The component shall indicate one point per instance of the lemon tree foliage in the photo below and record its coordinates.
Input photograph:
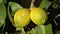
(14, 7)
(2, 14)
(22, 17)
(0, 1)
(45, 4)
(3, 1)
(44, 29)
(40, 29)
(48, 29)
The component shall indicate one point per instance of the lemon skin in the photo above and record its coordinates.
(38, 16)
(22, 18)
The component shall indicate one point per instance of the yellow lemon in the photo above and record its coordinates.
(38, 16)
(22, 18)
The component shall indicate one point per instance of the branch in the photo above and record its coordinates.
(57, 16)
(32, 4)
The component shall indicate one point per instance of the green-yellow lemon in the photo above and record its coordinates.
(38, 16)
(22, 18)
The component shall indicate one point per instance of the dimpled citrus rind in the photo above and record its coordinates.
(38, 16)
(22, 18)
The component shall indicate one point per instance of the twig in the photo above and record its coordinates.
(6, 32)
(55, 22)
(27, 32)
(32, 4)
(57, 16)
(22, 31)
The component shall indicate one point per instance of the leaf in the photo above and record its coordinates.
(42, 29)
(45, 4)
(14, 7)
(0, 1)
(32, 31)
(9, 15)
(48, 29)
(3, 1)
(2, 14)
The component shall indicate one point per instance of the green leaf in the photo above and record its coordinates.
(3, 1)
(45, 4)
(14, 7)
(32, 31)
(0, 1)
(55, 5)
(10, 17)
(2, 14)
(48, 29)
(44, 29)
(40, 29)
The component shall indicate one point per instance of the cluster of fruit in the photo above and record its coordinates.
(22, 17)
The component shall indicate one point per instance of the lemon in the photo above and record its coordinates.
(22, 18)
(38, 16)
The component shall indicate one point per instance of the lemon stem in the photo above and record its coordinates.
(22, 31)
(32, 4)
